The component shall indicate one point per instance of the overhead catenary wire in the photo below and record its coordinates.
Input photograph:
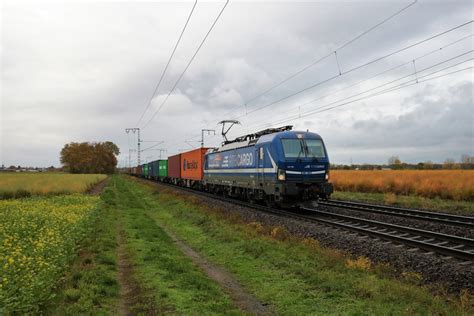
(152, 146)
(167, 64)
(338, 103)
(187, 66)
(386, 71)
(382, 85)
(400, 86)
(388, 90)
(355, 68)
(332, 52)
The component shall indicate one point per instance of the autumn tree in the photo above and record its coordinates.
(449, 163)
(395, 162)
(90, 157)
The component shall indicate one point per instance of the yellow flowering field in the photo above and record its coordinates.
(25, 184)
(38, 237)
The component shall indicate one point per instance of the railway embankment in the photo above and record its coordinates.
(294, 267)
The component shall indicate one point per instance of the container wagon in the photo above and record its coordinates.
(174, 169)
(139, 171)
(163, 169)
(192, 167)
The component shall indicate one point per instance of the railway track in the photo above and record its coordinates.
(430, 242)
(448, 219)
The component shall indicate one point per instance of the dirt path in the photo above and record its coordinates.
(133, 300)
(99, 187)
(242, 299)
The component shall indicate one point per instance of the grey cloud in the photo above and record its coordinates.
(85, 71)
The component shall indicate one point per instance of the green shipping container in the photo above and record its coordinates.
(145, 170)
(163, 168)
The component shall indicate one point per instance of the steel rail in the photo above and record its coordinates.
(436, 242)
(449, 219)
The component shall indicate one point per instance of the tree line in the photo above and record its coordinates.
(90, 157)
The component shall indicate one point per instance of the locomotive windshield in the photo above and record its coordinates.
(303, 148)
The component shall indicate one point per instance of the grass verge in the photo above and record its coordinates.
(292, 276)
(437, 204)
(178, 286)
(90, 286)
(128, 265)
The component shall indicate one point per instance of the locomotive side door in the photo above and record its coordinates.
(260, 167)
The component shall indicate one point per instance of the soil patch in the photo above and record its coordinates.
(98, 188)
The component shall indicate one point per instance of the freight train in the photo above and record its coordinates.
(276, 166)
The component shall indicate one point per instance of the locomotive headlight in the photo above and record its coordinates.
(281, 175)
(327, 175)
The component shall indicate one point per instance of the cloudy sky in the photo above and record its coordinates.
(85, 71)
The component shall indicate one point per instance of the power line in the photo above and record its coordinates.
(168, 63)
(319, 109)
(334, 52)
(398, 87)
(357, 68)
(401, 86)
(152, 146)
(189, 63)
(393, 88)
(387, 71)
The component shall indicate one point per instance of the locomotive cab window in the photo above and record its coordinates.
(260, 153)
(293, 148)
(303, 148)
(315, 148)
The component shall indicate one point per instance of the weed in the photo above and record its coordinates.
(280, 233)
(412, 277)
(258, 227)
(311, 243)
(72, 295)
(361, 263)
(466, 299)
(390, 198)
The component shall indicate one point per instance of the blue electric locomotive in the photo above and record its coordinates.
(278, 166)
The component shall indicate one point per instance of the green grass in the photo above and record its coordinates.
(290, 276)
(17, 185)
(441, 205)
(90, 286)
(178, 285)
(167, 282)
